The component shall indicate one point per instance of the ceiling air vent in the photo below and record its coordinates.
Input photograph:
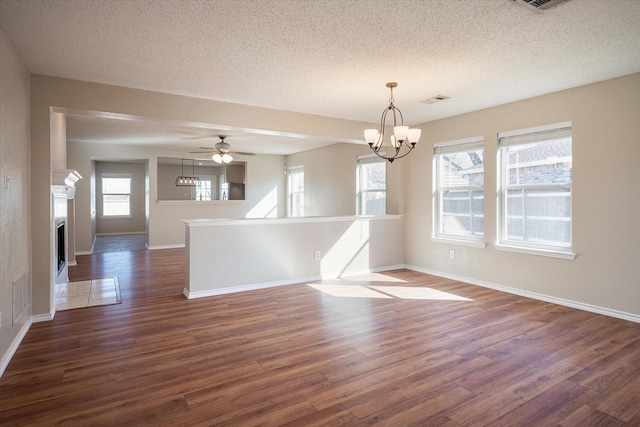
(434, 99)
(540, 5)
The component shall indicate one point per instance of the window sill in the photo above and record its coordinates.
(199, 202)
(460, 242)
(540, 252)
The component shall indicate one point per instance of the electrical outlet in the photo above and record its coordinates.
(452, 254)
(7, 180)
(317, 255)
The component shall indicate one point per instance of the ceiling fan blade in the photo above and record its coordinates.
(240, 153)
(203, 152)
(201, 137)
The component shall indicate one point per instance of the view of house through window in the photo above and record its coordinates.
(459, 190)
(295, 188)
(371, 186)
(535, 170)
(116, 195)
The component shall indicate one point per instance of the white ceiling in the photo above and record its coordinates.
(326, 57)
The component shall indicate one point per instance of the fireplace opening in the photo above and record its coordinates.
(60, 247)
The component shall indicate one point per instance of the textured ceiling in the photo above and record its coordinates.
(330, 57)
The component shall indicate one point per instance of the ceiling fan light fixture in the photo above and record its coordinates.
(222, 158)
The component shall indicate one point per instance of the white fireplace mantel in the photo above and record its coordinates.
(63, 181)
(65, 178)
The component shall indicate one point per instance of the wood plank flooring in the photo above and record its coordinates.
(397, 349)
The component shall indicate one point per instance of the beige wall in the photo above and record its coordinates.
(15, 206)
(136, 223)
(605, 205)
(330, 180)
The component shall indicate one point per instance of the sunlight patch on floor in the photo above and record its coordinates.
(374, 277)
(406, 292)
(349, 291)
(400, 292)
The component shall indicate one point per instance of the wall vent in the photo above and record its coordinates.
(21, 296)
(540, 5)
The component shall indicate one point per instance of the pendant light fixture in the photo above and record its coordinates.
(188, 181)
(402, 135)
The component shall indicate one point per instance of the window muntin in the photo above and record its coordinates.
(295, 185)
(116, 195)
(371, 186)
(459, 190)
(204, 188)
(535, 171)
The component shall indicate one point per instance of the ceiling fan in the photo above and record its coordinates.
(221, 152)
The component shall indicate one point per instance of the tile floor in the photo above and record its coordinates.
(87, 293)
(120, 243)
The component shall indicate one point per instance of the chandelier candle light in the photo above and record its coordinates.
(402, 135)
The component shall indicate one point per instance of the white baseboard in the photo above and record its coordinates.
(71, 263)
(121, 234)
(6, 358)
(157, 247)
(46, 317)
(295, 281)
(250, 287)
(533, 295)
(84, 252)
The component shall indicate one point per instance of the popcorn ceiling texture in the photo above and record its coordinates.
(330, 57)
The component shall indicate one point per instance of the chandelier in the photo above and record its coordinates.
(188, 181)
(402, 135)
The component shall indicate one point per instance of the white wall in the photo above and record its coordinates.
(606, 200)
(232, 255)
(15, 207)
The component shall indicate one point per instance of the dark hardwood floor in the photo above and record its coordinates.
(385, 349)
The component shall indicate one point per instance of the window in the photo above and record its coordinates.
(459, 190)
(371, 186)
(534, 198)
(295, 186)
(116, 195)
(203, 189)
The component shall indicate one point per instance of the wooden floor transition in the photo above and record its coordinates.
(399, 349)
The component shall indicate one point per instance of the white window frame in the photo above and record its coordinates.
(102, 194)
(441, 149)
(291, 195)
(366, 160)
(201, 187)
(519, 137)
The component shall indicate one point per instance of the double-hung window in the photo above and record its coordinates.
(371, 185)
(116, 195)
(295, 186)
(204, 188)
(459, 190)
(534, 194)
